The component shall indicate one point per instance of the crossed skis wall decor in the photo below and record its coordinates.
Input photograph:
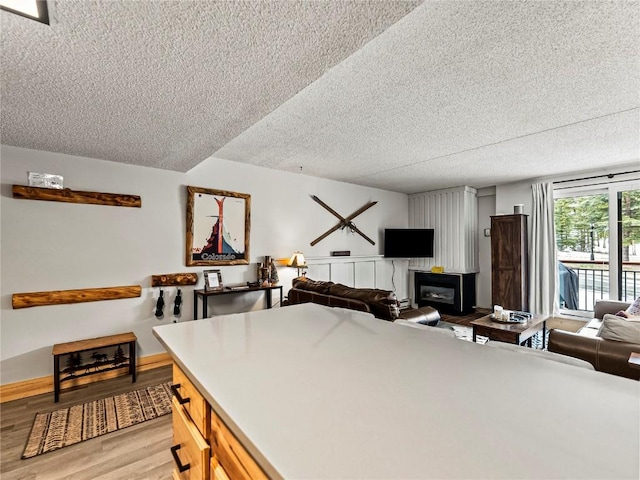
(345, 222)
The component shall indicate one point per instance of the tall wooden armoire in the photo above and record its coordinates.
(510, 262)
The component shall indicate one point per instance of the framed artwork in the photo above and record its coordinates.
(213, 280)
(218, 227)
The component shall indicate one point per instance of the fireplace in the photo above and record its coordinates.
(452, 293)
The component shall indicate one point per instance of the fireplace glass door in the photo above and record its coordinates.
(447, 293)
(430, 293)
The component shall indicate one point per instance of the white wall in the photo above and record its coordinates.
(486, 208)
(509, 195)
(58, 246)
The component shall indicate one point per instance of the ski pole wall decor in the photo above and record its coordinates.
(345, 222)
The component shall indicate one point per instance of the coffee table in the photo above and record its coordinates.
(517, 333)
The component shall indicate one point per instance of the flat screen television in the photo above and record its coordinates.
(408, 242)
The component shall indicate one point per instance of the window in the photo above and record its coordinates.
(598, 244)
(629, 245)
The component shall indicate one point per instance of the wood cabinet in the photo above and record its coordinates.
(194, 404)
(190, 450)
(203, 446)
(228, 453)
(510, 262)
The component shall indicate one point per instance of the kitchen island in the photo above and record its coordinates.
(308, 391)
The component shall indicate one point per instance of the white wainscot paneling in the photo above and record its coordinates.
(343, 273)
(320, 271)
(357, 271)
(364, 272)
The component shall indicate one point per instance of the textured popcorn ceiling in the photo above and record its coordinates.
(389, 94)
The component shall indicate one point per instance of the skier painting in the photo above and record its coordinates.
(220, 227)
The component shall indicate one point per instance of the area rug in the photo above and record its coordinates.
(67, 426)
(463, 333)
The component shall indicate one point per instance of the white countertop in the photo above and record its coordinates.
(319, 393)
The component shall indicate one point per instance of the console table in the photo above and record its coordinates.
(205, 294)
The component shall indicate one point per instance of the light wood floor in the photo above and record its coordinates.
(140, 452)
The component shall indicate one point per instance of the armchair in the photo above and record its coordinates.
(608, 356)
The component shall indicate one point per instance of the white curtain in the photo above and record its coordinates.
(542, 253)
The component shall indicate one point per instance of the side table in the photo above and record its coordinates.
(634, 360)
(517, 333)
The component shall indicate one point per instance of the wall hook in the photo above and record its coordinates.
(177, 304)
(160, 306)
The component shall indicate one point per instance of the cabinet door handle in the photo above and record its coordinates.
(176, 393)
(176, 458)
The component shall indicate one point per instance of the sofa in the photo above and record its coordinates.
(383, 304)
(605, 354)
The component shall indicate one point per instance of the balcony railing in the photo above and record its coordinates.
(593, 283)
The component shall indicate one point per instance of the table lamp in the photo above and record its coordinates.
(297, 261)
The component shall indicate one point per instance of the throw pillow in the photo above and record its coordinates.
(620, 329)
(622, 313)
(633, 310)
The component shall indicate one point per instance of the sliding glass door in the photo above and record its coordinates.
(582, 240)
(628, 222)
(598, 244)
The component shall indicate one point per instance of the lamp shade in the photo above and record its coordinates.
(297, 260)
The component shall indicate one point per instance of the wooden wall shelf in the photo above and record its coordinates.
(76, 196)
(173, 279)
(59, 297)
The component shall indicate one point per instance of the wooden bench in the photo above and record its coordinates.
(101, 362)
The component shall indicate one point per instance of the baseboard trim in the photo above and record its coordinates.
(38, 386)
